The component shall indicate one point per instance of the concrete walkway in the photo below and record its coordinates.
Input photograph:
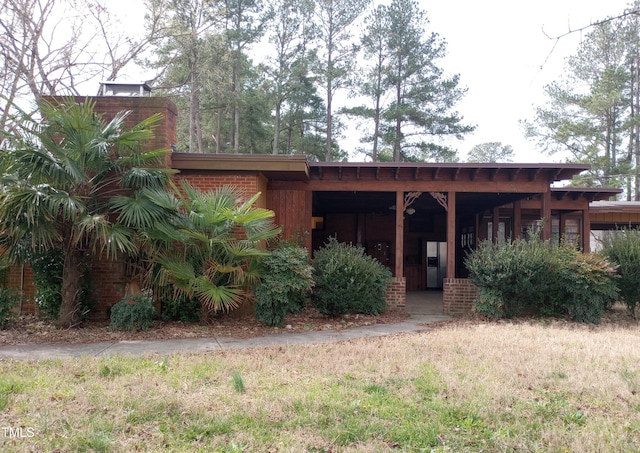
(423, 311)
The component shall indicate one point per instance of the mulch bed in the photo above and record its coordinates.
(34, 330)
(37, 330)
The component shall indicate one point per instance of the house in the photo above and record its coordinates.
(419, 219)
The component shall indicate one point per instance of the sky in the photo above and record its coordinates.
(504, 59)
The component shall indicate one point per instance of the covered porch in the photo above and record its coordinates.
(400, 212)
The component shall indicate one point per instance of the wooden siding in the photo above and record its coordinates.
(292, 210)
(620, 218)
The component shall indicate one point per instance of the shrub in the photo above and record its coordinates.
(285, 281)
(534, 276)
(587, 287)
(181, 308)
(518, 272)
(347, 280)
(489, 303)
(8, 300)
(47, 279)
(133, 312)
(622, 248)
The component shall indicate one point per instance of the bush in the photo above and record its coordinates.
(47, 279)
(285, 281)
(534, 276)
(347, 280)
(181, 308)
(517, 273)
(8, 300)
(489, 302)
(622, 248)
(133, 312)
(587, 287)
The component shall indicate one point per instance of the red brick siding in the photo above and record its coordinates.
(249, 184)
(458, 296)
(108, 277)
(397, 294)
(109, 281)
(20, 279)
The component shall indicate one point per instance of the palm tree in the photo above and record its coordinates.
(72, 181)
(218, 242)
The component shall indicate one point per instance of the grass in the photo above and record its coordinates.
(497, 387)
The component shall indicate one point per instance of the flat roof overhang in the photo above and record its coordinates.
(273, 167)
(298, 168)
(428, 171)
(602, 206)
(590, 193)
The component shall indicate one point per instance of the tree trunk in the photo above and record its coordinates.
(70, 315)
(376, 119)
(218, 130)
(195, 134)
(329, 123)
(329, 99)
(276, 129)
(636, 128)
(398, 132)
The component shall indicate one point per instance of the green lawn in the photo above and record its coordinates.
(527, 387)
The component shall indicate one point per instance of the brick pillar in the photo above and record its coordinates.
(458, 296)
(397, 294)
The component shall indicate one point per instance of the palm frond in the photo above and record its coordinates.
(67, 206)
(218, 298)
(151, 178)
(180, 273)
(137, 211)
(113, 239)
(246, 248)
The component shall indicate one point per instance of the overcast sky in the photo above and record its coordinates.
(504, 59)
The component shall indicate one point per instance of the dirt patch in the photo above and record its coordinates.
(33, 330)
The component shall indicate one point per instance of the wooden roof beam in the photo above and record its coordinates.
(456, 173)
(533, 174)
(474, 173)
(396, 173)
(416, 173)
(377, 173)
(514, 174)
(493, 173)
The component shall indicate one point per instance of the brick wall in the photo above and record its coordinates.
(458, 296)
(20, 278)
(397, 294)
(248, 183)
(108, 277)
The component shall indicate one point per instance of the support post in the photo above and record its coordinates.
(451, 235)
(586, 230)
(545, 214)
(495, 225)
(517, 219)
(399, 261)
